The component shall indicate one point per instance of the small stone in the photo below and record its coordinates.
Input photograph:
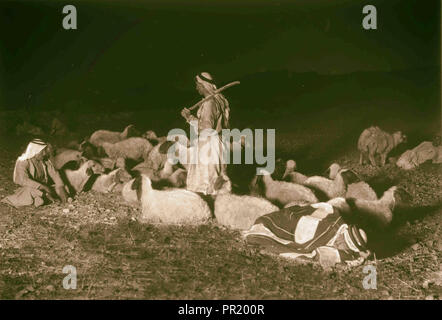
(65, 210)
(21, 293)
(429, 243)
(385, 293)
(50, 288)
(430, 297)
(70, 200)
(415, 246)
(425, 284)
(30, 288)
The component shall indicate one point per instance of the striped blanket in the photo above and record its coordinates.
(315, 232)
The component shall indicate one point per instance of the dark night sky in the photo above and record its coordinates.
(128, 50)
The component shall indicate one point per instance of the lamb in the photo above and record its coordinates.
(101, 136)
(107, 183)
(136, 149)
(177, 206)
(240, 212)
(291, 175)
(77, 179)
(373, 141)
(332, 188)
(282, 192)
(64, 156)
(359, 189)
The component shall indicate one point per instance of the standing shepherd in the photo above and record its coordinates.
(35, 173)
(207, 173)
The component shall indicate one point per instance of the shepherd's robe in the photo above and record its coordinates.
(206, 155)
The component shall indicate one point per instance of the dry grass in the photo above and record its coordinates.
(117, 258)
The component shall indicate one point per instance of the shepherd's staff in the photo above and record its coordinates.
(196, 105)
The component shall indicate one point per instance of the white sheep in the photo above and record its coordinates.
(241, 212)
(101, 136)
(151, 135)
(135, 148)
(158, 155)
(359, 190)
(291, 175)
(168, 175)
(106, 183)
(177, 206)
(377, 213)
(332, 188)
(129, 191)
(77, 179)
(64, 156)
(177, 180)
(282, 192)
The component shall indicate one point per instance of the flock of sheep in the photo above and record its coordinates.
(137, 167)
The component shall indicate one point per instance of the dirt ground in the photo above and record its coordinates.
(118, 258)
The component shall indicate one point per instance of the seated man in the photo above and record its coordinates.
(35, 173)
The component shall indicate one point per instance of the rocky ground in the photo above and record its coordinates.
(118, 258)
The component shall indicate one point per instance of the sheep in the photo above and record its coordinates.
(129, 192)
(167, 175)
(64, 156)
(77, 179)
(90, 151)
(177, 206)
(178, 178)
(332, 188)
(106, 183)
(136, 149)
(374, 141)
(291, 175)
(158, 155)
(101, 136)
(241, 212)
(359, 189)
(154, 174)
(282, 192)
(373, 213)
(152, 137)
